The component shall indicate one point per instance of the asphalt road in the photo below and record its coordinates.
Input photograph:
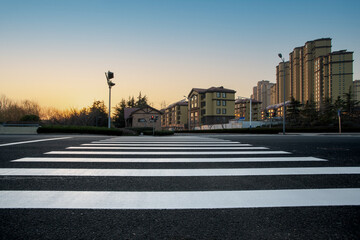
(303, 220)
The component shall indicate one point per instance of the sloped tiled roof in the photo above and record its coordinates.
(212, 89)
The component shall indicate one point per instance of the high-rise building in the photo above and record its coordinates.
(311, 51)
(280, 82)
(273, 94)
(263, 93)
(356, 90)
(333, 76)
(255, 93)
(314, 73)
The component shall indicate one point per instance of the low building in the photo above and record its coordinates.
(142, 117)
(215, 105)
(175, 116)
(242, 109)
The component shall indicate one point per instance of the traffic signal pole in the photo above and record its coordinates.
(109, 75)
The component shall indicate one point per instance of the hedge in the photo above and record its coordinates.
(273, 130)
(82, 130)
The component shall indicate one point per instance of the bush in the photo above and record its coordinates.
(30, 118)
(80, 129)
(159, 133)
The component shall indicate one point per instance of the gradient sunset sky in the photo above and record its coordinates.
(56, 52)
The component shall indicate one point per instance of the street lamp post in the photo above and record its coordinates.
(109, 75)
(284, 107)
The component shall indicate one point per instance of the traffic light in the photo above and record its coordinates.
(110, 75)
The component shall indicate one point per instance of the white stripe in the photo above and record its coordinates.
(180, 200)
(168, 144)
(166, 153)
(157, 142)
(177, 172)
(32, 141)
(173, 160)
(170, 148)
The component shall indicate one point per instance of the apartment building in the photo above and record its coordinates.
(315, 73)
(273, 94)
(175, 116)
(242, 109)
(263, 93)
(215, 105)
(356, 90)
(280, 82)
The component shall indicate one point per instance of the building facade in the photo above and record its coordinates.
(314, 73)
(263, 93)
(280, 69)
(242, 109)
(356, 90)
(215, 105)
(175, 116)
(143, 117)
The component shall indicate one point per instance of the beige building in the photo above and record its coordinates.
(356, 90)
(263, 93)
(142, 117)
(215, 105)
(175, 116)
(242, 109)
(315, 73)
(280, 82)
(273, 94)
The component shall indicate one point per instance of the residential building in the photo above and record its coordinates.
(273, 94)
(255, 93)
(263, 93)
(215, 105)
(280, 82)
(142, 117)
(175, 116)
(242, 109)
(356, 90)
(314, 73)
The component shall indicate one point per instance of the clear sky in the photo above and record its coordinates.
(56, 52)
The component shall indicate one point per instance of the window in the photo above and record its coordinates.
(218, 111)
(224, 111)
(224, 103)
(141, 120)
(218, 103)
(224, 95)
(218, 95)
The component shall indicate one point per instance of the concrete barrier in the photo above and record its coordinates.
(18, 129)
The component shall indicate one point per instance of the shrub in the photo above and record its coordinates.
(80, 129)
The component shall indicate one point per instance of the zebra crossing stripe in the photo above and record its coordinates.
(172, 160)
(162, 142)
(168, 148)
(168, 145)
(178, 172)
(192, 153)
(179, 200)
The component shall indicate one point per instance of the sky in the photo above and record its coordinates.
(57, 52)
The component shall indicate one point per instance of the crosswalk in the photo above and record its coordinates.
(179, 157)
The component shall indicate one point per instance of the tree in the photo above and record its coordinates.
(98, 115)
(327, 112)
(119, 116)
(309, 114)
(293, 111)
